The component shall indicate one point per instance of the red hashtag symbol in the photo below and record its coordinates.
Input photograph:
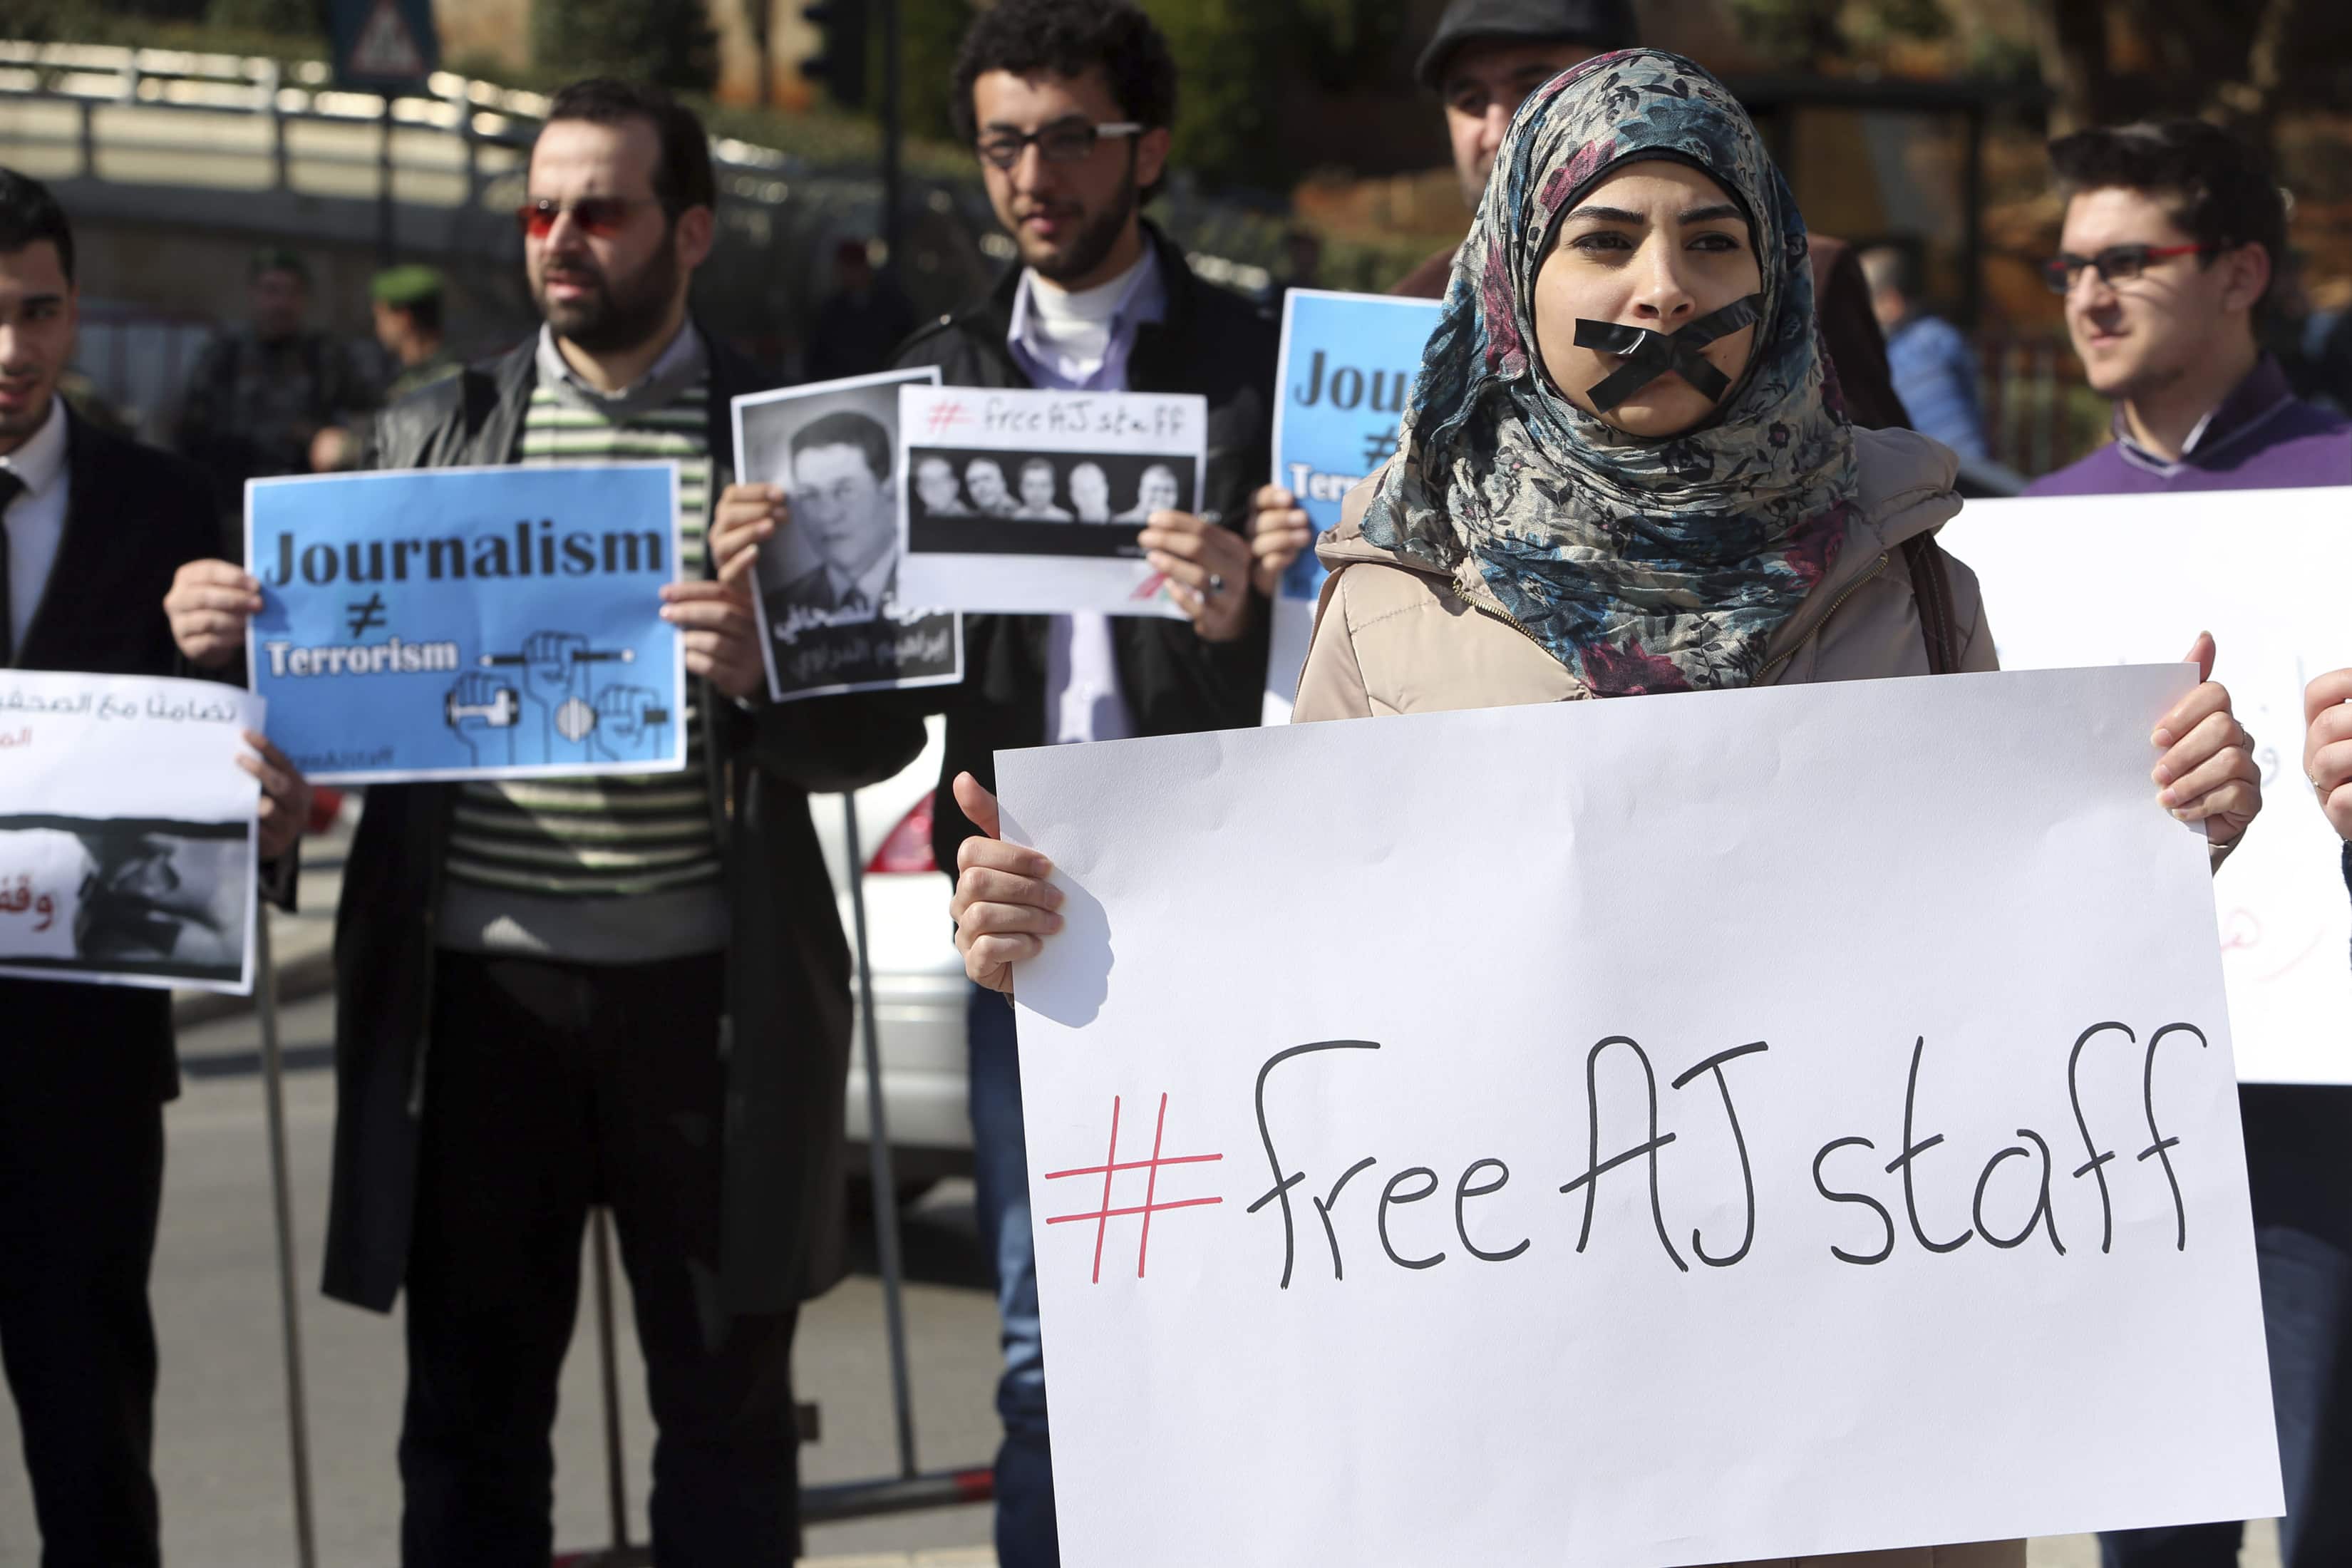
(1110, 1167)
(945, 416)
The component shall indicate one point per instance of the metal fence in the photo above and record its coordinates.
(440, 176)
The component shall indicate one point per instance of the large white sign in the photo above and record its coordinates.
(1659, 1131)
(2113, 579)
(127, 841)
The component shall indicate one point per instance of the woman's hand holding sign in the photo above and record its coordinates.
(208, 606)
(1004, 907)
(1207, 568)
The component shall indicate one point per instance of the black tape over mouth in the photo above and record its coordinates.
(1651, 354)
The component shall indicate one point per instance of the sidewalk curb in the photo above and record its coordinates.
(301, 976)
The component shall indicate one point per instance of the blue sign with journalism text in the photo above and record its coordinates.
(468, 623)
(1348, 366)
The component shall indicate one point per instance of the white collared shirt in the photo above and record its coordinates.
(36, 520)
(1081, 342)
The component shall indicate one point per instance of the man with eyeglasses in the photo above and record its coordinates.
(2171, 237)
(1068, 104)
(616, 990)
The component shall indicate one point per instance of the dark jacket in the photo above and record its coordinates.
(1212, 342)
(785, 1035)
(134, 516)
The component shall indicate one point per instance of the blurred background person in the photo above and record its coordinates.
(2166, 266)
(407, 310)
(1934, 369)
(262, 391)
(1302, 250)
(863, 321)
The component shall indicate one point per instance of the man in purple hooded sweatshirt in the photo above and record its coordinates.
(2173, 234)
(2165, 260)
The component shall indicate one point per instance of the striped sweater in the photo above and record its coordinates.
(613, 868)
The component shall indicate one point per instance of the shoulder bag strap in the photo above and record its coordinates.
(1931, 589)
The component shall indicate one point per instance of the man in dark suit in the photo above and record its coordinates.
(95, 527)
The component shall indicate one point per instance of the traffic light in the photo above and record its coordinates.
(840, 62)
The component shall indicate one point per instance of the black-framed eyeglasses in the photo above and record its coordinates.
(1064, 141)
(2116, 264)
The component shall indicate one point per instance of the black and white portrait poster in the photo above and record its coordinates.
(832, 618)
(1030, 501)
(127, 841)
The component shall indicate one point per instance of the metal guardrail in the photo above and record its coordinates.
(464, 144)
(490, 126)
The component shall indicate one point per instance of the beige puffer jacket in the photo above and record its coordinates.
(1390, 638)
(1394, 639)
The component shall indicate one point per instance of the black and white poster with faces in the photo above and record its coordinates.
(127, 849)
(1029, 501)
(832, 613)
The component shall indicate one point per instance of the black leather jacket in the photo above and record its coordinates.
(1212, 342)
(785, 1035)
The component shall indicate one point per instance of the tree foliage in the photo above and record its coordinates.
(2242, 62)
(667, 41)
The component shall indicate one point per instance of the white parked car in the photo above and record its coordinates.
(919, 981)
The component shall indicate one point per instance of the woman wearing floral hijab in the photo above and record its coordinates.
(1626, 470)
(1626, 467)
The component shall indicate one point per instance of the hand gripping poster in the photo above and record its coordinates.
(831, 617)
(469, 623)
(127, 843)
(1346, 373)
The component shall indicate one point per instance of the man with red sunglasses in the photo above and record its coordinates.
(2174, 232)
(625, 991)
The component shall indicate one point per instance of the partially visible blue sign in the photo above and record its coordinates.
(384, 46)
(1347, 371)
(468, 623)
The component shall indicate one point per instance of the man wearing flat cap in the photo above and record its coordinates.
(1485, 58)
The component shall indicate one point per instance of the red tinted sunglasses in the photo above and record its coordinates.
(599, 216)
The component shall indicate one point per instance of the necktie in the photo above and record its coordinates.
(853, 601)
(11, 486)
